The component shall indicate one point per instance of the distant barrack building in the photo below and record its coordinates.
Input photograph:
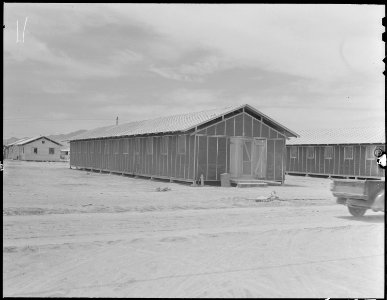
(39, 148)
(342, 152)
(238, 140)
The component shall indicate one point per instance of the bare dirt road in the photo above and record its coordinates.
(72, 233)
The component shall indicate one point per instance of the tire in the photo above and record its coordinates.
(357, 211)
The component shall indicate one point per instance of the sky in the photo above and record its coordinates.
(78, 66)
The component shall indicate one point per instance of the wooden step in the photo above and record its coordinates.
(251, 184)
(267, 182)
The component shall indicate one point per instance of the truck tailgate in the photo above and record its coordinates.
(347, 188)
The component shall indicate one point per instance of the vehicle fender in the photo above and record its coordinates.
(379, 202)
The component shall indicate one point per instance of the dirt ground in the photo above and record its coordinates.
(72, 233)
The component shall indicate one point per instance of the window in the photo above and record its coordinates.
(181, 144)
(99, 146)
(51, 150)
(137, 146)
(348, 152)
(106, 147)
(164, 145)
(43, 141)
(126, 146)
(370, 152)
(23, 149)
(149, 145)
(115, 146)
(328, 152)
(35, 150)
(310, 152)
(293, 152)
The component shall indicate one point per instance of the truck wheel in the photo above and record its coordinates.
(357, 211)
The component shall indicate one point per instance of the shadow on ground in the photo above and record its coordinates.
(366, 219)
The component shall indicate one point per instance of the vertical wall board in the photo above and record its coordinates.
(367, 168)
(111, 155)
(102, 154)
(174, 164)
(211, 130)
(157, 155)
(94, 154)
(288, 164)
(239, 125)
(222, 156)
(304, 160)
(345, 163)
(272, 134)
(179, 160)
(264, 131)
(362, 153)
(256, 128)
(114, 155)
(107, 144)
(220, 128)
(279, 150)
(126, 155)
(187, 157)
(270, 160)
(130, 156)
(317, 160)
(248, 120)
(144, 156)
(356, 158)
(230, 127)
(192, 156)
(212, 146)
(331, 163)
(335, 160)
(106, 155)
(202, 156)
(227, 155)
(119, 154)
(162, 156)
(299, 159)
(102, 145)
(321, 161)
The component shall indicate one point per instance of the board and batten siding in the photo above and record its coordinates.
(135, 155)
(203, 151)
(362, 163)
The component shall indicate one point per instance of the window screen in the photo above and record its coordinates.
(164, 145)
(348, 152)
(328, 152)
(293, 152)
(181, 144)
(310, 152)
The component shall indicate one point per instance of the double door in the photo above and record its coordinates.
(248, 158)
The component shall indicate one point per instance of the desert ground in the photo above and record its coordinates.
(73, 233)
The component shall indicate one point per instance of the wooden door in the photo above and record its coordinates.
(247, 145)
(235, 157)
(259, 156)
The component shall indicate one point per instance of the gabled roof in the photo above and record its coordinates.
(172, 124)
(17, 141)
(368, 135)
(30, 140)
